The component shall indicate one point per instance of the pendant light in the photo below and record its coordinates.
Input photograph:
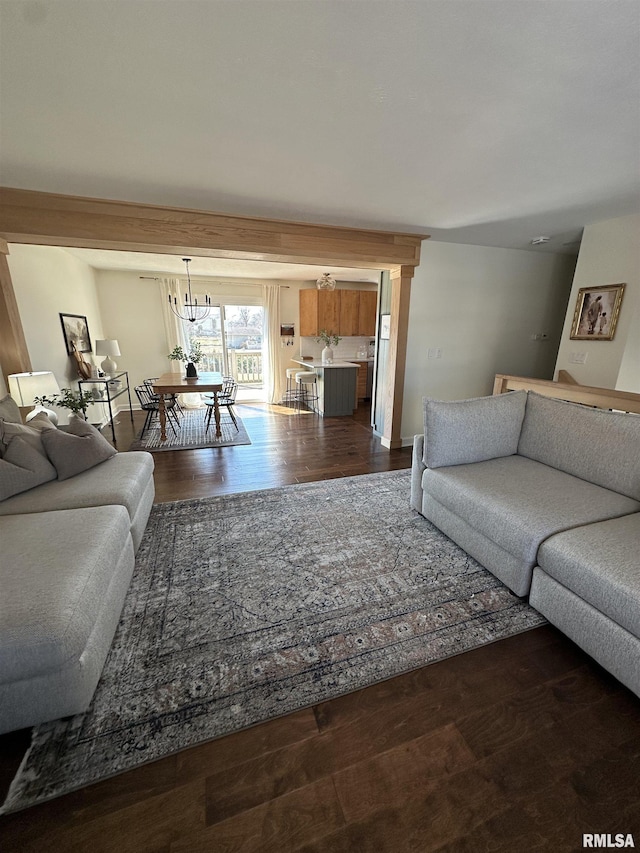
(190, 310)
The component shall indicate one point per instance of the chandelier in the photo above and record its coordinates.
(190, 310)
(326, 282)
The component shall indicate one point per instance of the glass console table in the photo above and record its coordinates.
(105, 390)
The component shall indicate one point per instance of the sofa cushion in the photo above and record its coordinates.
(518, 503)
(77, 449)
(601, 564)
(599, 446)
(9, 410)
(122, 480)
(55, 571)
(457, 432)
(31, 432)
(23, 468)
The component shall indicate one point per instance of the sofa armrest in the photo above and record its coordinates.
(459, 432)
(417, 468)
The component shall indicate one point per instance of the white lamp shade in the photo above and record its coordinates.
(25, 387)
(107, 348)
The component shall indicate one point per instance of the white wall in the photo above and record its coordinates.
(131, 310)
(609, 254)
(48, 281)
(480, 306)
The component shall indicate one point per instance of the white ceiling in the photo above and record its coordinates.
(150, 264)
(478, 121)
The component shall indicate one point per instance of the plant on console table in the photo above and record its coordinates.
(76, 401)
(191, 358)
(329, 340)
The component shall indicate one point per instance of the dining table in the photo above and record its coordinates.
(178, 383)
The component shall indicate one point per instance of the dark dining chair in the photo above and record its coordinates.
(226, 400)
(150, 403)
(174, 397)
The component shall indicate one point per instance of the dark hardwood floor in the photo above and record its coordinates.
(523, 745)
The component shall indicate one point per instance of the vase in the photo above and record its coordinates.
(192, 373)
(327, 355)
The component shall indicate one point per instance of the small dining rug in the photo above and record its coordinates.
(249, 606)
(191, 435)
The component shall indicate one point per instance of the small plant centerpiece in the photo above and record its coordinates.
(76, 401)
(329, 340)
(191, 358)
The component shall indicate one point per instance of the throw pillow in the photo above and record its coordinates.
(23, 468)
(31, 432)
(81, 447)
(462, 431)
(9, 410)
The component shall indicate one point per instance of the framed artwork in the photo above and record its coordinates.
(596, 314)
(76, 333)
(385, 326)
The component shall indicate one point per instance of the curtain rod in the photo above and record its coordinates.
(218, 281)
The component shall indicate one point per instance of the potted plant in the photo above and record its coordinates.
(329, 340)
(191, 358)
(76, 401)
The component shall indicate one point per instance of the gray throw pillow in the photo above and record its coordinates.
(458, 432)
(9, 410)
(23, 468)
(31, 433)
(81, 447)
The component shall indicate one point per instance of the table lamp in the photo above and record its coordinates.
(108, 348)
(25, 387)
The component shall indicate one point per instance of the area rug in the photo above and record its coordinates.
(191, 435)
(249, 606)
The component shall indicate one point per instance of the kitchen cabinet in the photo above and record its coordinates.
(348, 313)
(361, 382)
(367, 307)
(319, 309)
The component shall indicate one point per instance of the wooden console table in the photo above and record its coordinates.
(177, 383)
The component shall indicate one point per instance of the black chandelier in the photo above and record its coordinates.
(190, 310)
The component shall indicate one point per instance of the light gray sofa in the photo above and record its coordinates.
(66, 561)
(546, 495)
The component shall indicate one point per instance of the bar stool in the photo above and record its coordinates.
(306, 389)
(290, 393)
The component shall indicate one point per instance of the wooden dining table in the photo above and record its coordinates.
(178, 383)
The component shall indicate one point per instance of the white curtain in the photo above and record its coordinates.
(271, 347)
(174, 332)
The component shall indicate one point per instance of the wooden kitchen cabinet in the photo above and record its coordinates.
(308, 313)
(348, 313)
(367, 313)
(319, 309)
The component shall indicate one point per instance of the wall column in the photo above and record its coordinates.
(394, 385)
(14, 355)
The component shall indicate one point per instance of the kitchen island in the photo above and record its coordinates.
(336, 386)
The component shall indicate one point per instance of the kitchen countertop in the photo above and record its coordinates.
(316, 363)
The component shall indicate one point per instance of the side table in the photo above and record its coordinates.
(106, 389)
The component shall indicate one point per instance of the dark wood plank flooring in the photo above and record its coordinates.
(523, 745)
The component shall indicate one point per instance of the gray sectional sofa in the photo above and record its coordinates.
(71, 519)
(546, 495)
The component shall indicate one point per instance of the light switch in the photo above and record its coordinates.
(434, 352)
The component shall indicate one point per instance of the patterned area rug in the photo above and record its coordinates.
(191, 434)
(236, 614)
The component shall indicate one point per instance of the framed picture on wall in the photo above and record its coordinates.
(76, 333)
(385, 326)
(596, 313)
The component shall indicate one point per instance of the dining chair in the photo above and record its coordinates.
(226, 399)
(150, 403)
(174, 397)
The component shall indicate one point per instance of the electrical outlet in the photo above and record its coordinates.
(434, 352)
